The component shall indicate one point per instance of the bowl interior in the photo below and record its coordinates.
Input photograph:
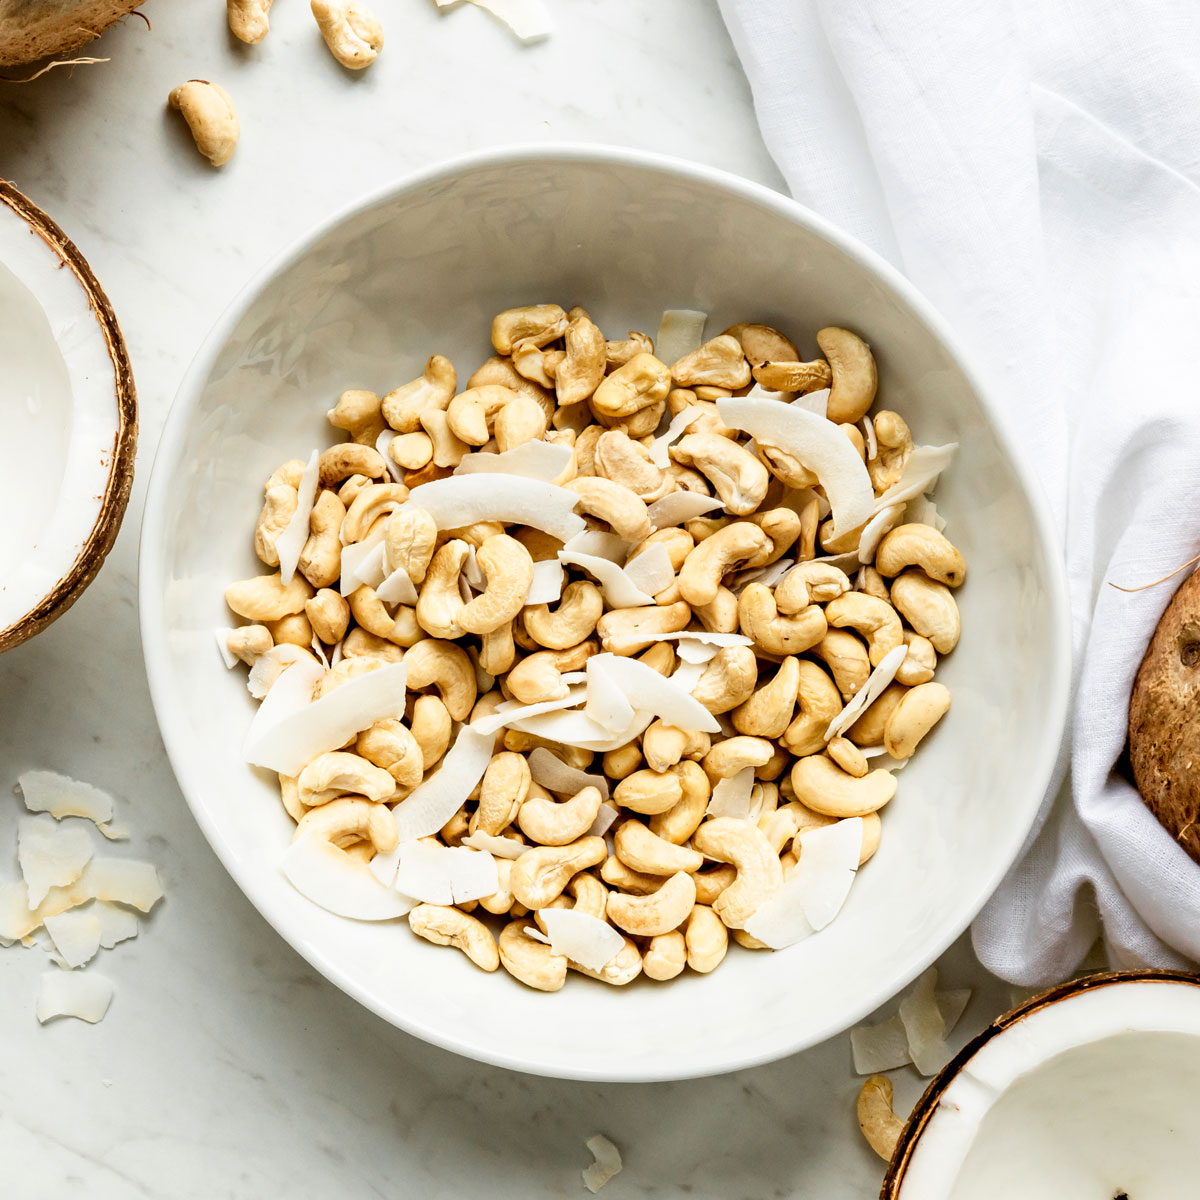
(423, 270)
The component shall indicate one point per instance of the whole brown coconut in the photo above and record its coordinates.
(1164, 720)
(34, 29)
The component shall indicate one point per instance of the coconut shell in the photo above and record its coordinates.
(1164, 720)
(34, 29)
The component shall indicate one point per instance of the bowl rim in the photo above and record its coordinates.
(923, 1112)
(103, 533)
(175, 731)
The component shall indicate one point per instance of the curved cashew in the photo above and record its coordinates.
(739, 478)
(497, 650)
(761, 343)
(628, 631)
(249, 643)
(916, 714)
(847, 658)
(929, 608)
(508, 569)
(208, 110)
(329, 614)
(551, 823)
(713, 881)
(430, 724)
(337, 773)
(872, 583)
(660, 912)
(661, 657)
(432, 390)
(852, 364)
(289, 797)
(279, 503)
(649, 792)
(521, 420)
(267, 597)
(782, 526)
(627, 462)
(440, 602)
(768, 711)
(294, 630)
(735, 754)
(618, 353)
(735, 545)
(759, 873)
(623, 510)
(771, 631)
(372, 502)
(320, 561)
(411, 538)
(533, 963)
(538, 324)
(810, 583)
(539, 677)
(391, 745)
(448, 449)
(621, 763)
(471, 415)
(895, 446)
(706, 939)
(581, 606)
(682, 819)
(540, 875)
(921, 546)
(788, 469)
(502, 371)
(615, 873)
(920, 661)
(347, 820)
(792, 376)
(446, 926)
(847, 756)
(664, 745)
(721, 616)
(501, 900)
(441, 664)
(641, 383)
(666, 956)
(729, 679)
(535, 364)
(868, 729)
(719, 362)
(642, 850)
(358, 643)
(357, 412)
(824, 787)
(339, 462)
(343, 672)
(582, 371)
(875, 620)
(411, 451)
(351, 31)
(248, 19)
(369, 611)
(502, 791)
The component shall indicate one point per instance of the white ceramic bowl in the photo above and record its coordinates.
(422, 267)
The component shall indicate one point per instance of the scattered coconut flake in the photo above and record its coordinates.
(85, 995)
(497, 847)
(61, 796)
(533, 932)
(227, 656)
(584, 939)
(924, 1025)
(769, 575)
(117, 924)
(510, 713)
(577, 729)
(885, 520)
(129, 881)
(819, 445)
(660, 448)
(472, 572)
(598, 543)
(556, 776)
(651, 571)
(270, 666)
(680, 331)
(606, 1166)
(869, 438)
(607, 704)
(382, 444)
(335, 656)
(921, 510)
(686, 676)
(397, 588)
(444, 792)
(295, 533)
(870, 691)
(844, 562)
(952, 1003)
(289, 742)
(650, 692)
(731, 797)
(76, 935)
(355, 556)
(619, 590)
(758, 392)
(544, 461)
(464, 499)
(920, 474)
(330, 878)
(527, 19)
(319, 651)
(605, 819)
(814, 402)
(437, 874)
(718, 641)
(372, 568)
(50, 855)
(678, 507)
(548, 580)
(881, 1047)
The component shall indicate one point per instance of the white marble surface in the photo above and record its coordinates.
(227, 1067)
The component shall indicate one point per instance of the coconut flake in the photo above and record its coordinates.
(920, 474)
(228, 657)
(397, 588)
(443, 793)
(577, 729)
(885, 520)
(497, 847)
(295, 533)
(437, 874)
(117, 924)
(529, 20)
(355, 557)
(287, 743)
(319, 651)
(731, 797)
(76, 935)
(648, 691)
(464, 499)
(769, 575)
(382, 444)
(651, 571)
(607, 704)
(330, 878)
(924, 1025)
(50, 855)
(814, 402)
(270, 666)
(85, 995)
(869, 439)
(715, 641)
(61, 796)
(879, 679)
(686, 676)
(372, 569)
(606, 817)
(584, 939)
(600, 544)
(607, 1163)
(510, 713)
(130, 881)
(816, 443)
(680, 331)
(660, 448)
(921, 510)
(533, 932)
(547, 585)
(678, 507)
(880, 1047)
(952, 1003)
(544, 461)
(619, 590)
(556, 776)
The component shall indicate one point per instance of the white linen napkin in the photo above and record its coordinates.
(1034, 167)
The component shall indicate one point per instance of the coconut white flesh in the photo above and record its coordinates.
(731, 797)
(382, 445)
(674, 509)
(686, 676)
(555, 776)
(607, 1164)
(660, 448)
(584, 939)
(869, 439)
(529, 20)
(758, 392)
(814, 402)
(879, 1047)
(437, 874)
(847, 562)
(651, 571)
(619, 590)
(472, 572)
(117, 924)
(397, 588)
(680, 331)
(82, 994)
(295, 533)
(289, 742)
(61, 796)
(649, 691)
(598, 544)
(576, 728)
(885, 520)
(548, 580)
(269, 667)
(464, 499)
(372, 568)
(330, 878)
(50, 855)
(717, 641)
(59, 417)
(953, 1003)
(769, 575)
(607, 704)
(870, 691)
(510, 714)
(354, 557)
(921, 510)
(222, 633)
(816, 443)
(319, 651)
(76, 935)
(606, 818)
(497, 847)
(924, 1025)
(544, 461)
(920, 474)
(532, 931)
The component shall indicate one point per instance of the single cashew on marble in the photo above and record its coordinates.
(208, 110)
(351, 31)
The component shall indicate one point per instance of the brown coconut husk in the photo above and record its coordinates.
(31, 30)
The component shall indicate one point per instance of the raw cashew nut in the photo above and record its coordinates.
(471, 415)
(501, 900)
(649, 792)
(446, 666)
(369, 611)
(411, 451)
(719, 361)
(550, 823)
(294, 630)
(917, 713)
(618, 353)
(320, 561)
(539, 677)
(440, 602)
(792, 376)
(411, 537)
(538, 324)
(895, 446)
(921, 546)
(642, 383)
(782, 526)
(533, 963)
(810, 583)
(875, 619)
(759, 873)
(628, 631)
(208, 110)
(847, 756)
(664, 745)
(627, 462)
(497, 650)
(618, 875)
(446, 926)
(508, 569)
(773, 632)
(502, 791)
(641, 850)
(248, 19)
(358, 643)
(721, 615)
(581, 606)
(339, 462)
(824, 787)
(623, 510)
(713, 881)
(521, 420)
(768, 711)
(872, 583)
(347, 820)
(357, 412)
(267, 597)
(329, 614)
(929, 608)
(761, 343)
(739, 478)
(735, 754)
(868, 729)
(431, 725)
(920, 661)
(582, 371)
(351, 31)
(706, 938)
(432, 390)
(852, 364)
(682, 819)
(372, 502)
(540, 875)
(343, 672)
(279, 504)
(847, 658)
(337, 773)
(390, 745)
(249, 643)
(658, 913)
(729, 679)
(623, 968)
(666, 956)
(879, 1124)
(735, 545)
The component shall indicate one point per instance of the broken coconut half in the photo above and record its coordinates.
(68, 421)
(1091, 1089)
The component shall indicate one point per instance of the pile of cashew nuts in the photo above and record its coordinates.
(676, 881)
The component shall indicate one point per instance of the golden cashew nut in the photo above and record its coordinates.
(894, 448)
(628, 631)
(621, 763)
(471, 415)
(872, 583)
(623, 510)
(735, 545)
(582, 370)
(343, 672)
(531, 962)
(706, 939)
(249, 643)
(357, 412)
(729, 679)
(497, 650)
(768, 711)
(580, 607)
(292, 630)
(370, 613)
(540, 875)
(782, 526)
(358, 643)
(431, 725)
(721, 615)
(735, 754)
(854, 381)
(267, 597)
(847, 756)
(847, 659)
(761, 343)
(391, 746)
(624, 968)
(347, 820)
(501, 900)
(824, 787)
(339, 462)
(539, 677)
(738, 477)
(666, 956)
(773, 632)
(712, 882)
(618, 353)
(627, 462)
(551, 823)
(538, 324)
(649, 792)
(929, 608)
(660, 912)
(792, 376)
(372, 502)
(868, 729)
(615, 873)
(916, 714)
(759, 873)
(337, 773)
(810, 583)
(411, 451)
(508, 570)
(440, 601)
(432, 390)
(502, 371)
(640, 384)
(446, 666)
(502, 791)
(924, 547)
(718, 362)
(535, 364)
(786, 468)
(329, 615)
(351, 31)
(521, 420)
(664, 745)
(320, 560)
(875, 620)
(248, 19)
(447, 926)
(411, 538)
(279, 504)
(682, 819)
(644, 851)
(920, 661)
(208, 110)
